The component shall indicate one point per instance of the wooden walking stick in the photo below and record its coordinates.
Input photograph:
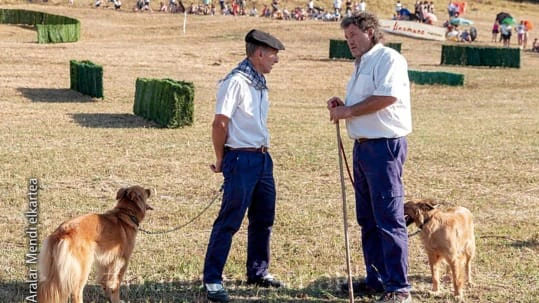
(345, 216)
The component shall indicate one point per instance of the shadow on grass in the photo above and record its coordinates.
(54, 95)
(322, 290)
(107, 120)
(532, 243)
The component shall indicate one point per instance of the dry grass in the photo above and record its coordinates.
(476, 146)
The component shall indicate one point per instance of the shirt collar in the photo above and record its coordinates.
(246, 68)
(366, 55)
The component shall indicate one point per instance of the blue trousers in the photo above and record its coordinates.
(379, 192)
(249, 187)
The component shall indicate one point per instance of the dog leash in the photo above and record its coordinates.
(190, 221)
(414, 233)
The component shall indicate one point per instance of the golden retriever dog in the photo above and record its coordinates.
(446, 234)
(108, 239)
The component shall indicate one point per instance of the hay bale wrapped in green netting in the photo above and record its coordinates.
(480, 56)
(168, 102)
(442, 78)
(50, 28)
(86, 78)
(395, 45)
(338, 49)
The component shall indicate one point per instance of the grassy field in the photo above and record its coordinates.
(476, 146)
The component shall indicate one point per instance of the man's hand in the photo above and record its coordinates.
(334, 102)
(216, 168)
(336, 109)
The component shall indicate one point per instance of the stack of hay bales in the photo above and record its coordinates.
(165, 101)
(86, 78)
(50, 28)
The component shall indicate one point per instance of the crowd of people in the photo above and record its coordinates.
(505, 30)
(424, 12)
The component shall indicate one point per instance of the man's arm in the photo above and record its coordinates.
(371, 105)
(219, 134)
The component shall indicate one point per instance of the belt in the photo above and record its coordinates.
(363, 140)
(262, 149)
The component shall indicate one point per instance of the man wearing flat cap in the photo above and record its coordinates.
(241, 141)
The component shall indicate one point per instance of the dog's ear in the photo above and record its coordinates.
(418, 213)
(148, 193)
(121, 193)
(427, 205)
(139, 196)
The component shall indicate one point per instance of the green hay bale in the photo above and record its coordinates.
(73, 74)
(394, 45)
(480, 56)
(139, 91)
(86, 78)
(338, 49)
(50, 28)
(431, 78)
(168, 102)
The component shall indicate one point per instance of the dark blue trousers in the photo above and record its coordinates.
(378, 168)
(249, 187)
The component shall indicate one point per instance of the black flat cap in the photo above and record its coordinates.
(262, 38)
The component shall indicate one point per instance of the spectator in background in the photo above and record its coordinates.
(452, 9)
(337, 5)
(348, 5)
(274, 6)
(495, 31)
(222, 7)
(417, 10)
(162, 7)
(522, 34)
(505, 30)
(465, 36)
(310, 7)
(362, 6)
(398, 7)
(535, 45)
(253, 12)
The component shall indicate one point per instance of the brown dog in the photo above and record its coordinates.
(69, 252)
(446, 234)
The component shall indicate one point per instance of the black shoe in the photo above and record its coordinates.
(218, 296)
(266, 282)
(362, 289)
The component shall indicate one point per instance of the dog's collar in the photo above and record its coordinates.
(424, 222)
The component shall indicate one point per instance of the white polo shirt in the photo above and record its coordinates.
(247, 108)
(382, 71)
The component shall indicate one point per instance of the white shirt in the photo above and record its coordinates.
(362, 6)
(381, 72)
(247, 108)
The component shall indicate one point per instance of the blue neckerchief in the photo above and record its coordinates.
(246, 68)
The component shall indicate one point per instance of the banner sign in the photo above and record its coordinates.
(413, 29)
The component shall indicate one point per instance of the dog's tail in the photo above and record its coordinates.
(58, 271)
